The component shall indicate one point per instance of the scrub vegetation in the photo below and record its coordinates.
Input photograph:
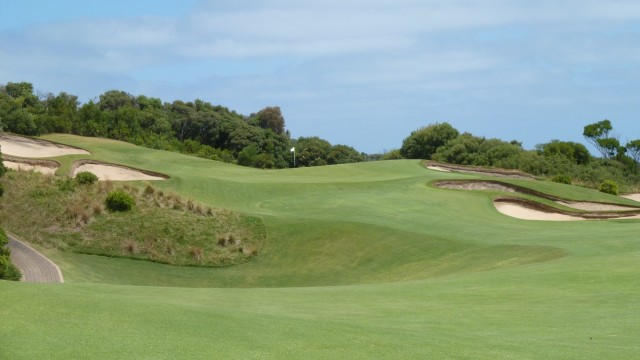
(163, 227)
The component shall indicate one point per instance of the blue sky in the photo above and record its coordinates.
(361, 73)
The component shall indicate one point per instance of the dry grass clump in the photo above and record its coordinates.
(163, 227)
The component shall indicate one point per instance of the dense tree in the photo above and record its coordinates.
(575, 152)
(270, 118)
(598, 135)
(115, 99)
(312, 151)
(343, 154)
(633, 151)
(424, 142)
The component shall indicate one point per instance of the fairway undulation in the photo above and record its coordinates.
(360, 261)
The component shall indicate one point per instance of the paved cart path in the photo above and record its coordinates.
(34, 266)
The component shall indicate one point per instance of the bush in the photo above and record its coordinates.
(1, 190)
(119, 201)
(66, 184)
(86, 177)
(562, 179)
(609, 187)
(8, 271)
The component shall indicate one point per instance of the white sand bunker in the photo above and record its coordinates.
(524, 213)
(33, 148)
(634, 197)
(518, 210)
(29, 167)
(592, 206)
(114, 172)
(438, 168)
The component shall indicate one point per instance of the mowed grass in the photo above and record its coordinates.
(424, 273)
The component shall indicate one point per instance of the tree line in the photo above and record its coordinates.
(194, 127)
(555, 159)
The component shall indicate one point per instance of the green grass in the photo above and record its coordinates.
(361, 261)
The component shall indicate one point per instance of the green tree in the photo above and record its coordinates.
(343, 154)
(115, 99)
(633, 151)
(312, 151)
(575, 152)
(598, 135)
(424, 142)
(271, 118)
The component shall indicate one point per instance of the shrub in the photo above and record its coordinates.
(65, 184)
(119, 201)
(1, 190)
(7, 270)
(609, 187)
(86, 177)
(562, 179)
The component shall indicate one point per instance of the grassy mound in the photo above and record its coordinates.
(162, 227)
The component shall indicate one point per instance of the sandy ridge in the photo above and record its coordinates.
(35, 148)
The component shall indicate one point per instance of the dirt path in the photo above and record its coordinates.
(34, 266)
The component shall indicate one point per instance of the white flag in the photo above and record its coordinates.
(293, 149)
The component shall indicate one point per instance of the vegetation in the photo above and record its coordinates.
(562, 179)
(196, 128)
(7, 270)
(556, 160)
(86, 177)
(119, 200)
(424, 142)
(163, 227)
(609, 187)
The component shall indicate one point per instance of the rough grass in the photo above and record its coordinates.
(53, 212)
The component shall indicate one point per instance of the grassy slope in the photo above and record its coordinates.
(368, 224)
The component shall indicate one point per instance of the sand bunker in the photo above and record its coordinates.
(438, 168)
(591, 206)
(524, 213)
(114, 172)
(634, 197)
(517, 209)
(28, 167)
(34, 148)
(532, 210)
(475, 185)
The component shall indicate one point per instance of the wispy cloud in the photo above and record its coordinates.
(358, 59)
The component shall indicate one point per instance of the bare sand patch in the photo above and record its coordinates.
(592, 206)
(34, 148)
(438, 168)
(474, 185)
(28, 167)
(114, 172)
(524, 213)
(634, 197)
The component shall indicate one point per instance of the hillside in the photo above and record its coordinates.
(360, 260)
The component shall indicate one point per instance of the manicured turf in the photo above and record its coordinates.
(423, 273)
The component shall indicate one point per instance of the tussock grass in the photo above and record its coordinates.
(168, 229)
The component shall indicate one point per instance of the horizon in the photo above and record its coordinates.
(368, 78)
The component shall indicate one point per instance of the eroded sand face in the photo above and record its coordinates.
(524, 213)
(116, 173)
(634, 197)
(28, 167)
(29, 148)
(438, 168)
(590, 206)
